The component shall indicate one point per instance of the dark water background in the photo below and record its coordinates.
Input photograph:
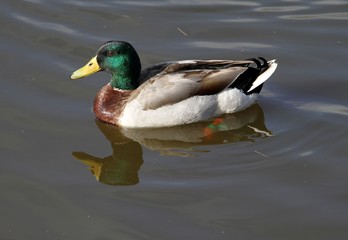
(276, 171)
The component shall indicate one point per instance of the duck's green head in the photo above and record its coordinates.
(118, 58)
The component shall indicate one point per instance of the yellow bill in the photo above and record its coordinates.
(91, 67)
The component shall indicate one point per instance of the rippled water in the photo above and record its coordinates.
(275, 171)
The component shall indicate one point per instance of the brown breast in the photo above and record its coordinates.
(109, 103)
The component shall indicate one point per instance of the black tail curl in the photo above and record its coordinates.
(246, 79)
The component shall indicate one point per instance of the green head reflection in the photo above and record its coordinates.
(121, 168)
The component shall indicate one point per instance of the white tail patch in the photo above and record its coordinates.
(265, 75)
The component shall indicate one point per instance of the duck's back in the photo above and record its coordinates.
(182, 92)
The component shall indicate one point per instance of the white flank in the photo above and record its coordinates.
(194, 109)
(265, 75)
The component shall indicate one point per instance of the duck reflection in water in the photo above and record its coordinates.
(121, 168)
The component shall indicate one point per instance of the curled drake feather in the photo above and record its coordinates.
(172, 93)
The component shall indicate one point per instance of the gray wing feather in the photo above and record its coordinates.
(172, 82)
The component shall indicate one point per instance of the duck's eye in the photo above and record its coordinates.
(111, 53)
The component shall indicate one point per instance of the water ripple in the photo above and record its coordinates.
(281, 9)
(325, 108)
(45, 25)
(52, 26)
(331, 2)
(239, 20)
(330, 16)
(88, 4)
(193, 2)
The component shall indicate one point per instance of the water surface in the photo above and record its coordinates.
(275, 171)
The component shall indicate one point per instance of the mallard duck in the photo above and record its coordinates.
(171, 93)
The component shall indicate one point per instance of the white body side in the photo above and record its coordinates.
(194, 109)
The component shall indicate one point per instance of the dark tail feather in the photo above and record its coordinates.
(246, 79)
